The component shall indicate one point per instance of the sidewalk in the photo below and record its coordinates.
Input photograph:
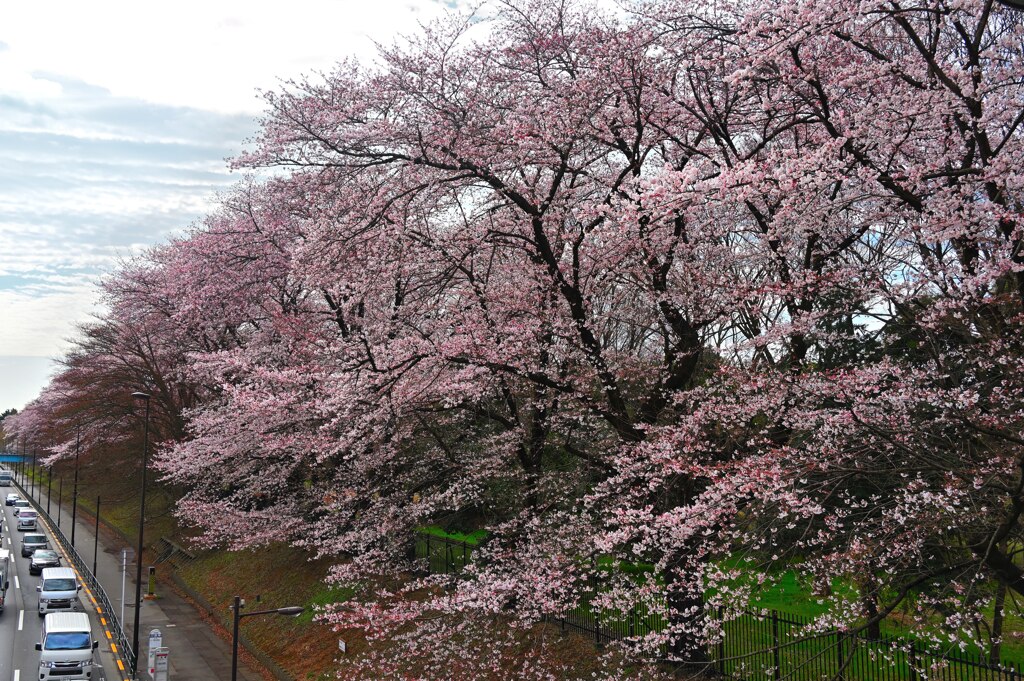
(196, 652)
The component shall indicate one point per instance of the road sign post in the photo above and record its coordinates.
(160, 663)
(156, 642)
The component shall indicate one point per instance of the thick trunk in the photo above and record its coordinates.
(869, 608)
(685, 614)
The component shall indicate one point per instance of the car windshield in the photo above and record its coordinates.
(27, 514)
(21, 502)
(43, 554)
(72, 640)
(60, 584)
(35, 539)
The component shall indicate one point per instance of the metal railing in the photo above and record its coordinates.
(772, 646)
(442, 555)
(123, 643)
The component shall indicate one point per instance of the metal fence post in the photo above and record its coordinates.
(721, 642)
(776, 657)
(839, 655)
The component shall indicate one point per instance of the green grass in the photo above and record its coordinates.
(473, 538)
(324, 596)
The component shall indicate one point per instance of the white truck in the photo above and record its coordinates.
(66, 647)
(5, 572)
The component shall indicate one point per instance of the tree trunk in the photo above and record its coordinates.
(997, 624)
(869, 607)
(685, 612)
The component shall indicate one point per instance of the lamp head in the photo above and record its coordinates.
(291, 611)
(141, 396)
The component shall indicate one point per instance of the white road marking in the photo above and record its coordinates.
(21, 620)
(17, 584)
(17, 675)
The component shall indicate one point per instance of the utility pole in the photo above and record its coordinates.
(74, 493)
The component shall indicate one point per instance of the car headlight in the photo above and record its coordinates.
(87, 663)
(47, 665)
(44, 601)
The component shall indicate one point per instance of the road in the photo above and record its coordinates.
(20, 623)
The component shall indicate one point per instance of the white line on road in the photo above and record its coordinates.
(17, 584)
(21, 620)
(17, 675)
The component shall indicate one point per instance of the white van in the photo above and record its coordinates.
(27, 520)
(58, 591)
(66, 647)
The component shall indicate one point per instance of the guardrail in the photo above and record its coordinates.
(124, 646)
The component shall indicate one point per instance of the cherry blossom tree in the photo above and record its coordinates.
(728, 289)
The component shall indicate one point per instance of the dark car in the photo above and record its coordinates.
(11, 498)
(43, 558)
(33, 541)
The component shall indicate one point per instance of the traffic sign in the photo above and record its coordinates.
(160, 664)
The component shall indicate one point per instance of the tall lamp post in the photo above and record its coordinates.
(143, 397)
(74, 493)
(290, 611)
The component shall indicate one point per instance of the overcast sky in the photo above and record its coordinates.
(115, 122)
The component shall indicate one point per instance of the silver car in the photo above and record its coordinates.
(33, 541)
(27, 520)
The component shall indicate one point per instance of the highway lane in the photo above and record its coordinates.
(9, 618)
(20, 624)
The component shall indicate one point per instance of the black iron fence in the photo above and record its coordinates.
(777, 646)
(771, 646)
(124, 646)
(443, 556)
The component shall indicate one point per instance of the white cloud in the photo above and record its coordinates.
(115, 120)
(35, 320)
(195, 53)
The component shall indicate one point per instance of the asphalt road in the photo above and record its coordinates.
(20, 624)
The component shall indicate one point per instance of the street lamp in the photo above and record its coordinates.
(137, 396)
(290, 611)
(74, 493)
